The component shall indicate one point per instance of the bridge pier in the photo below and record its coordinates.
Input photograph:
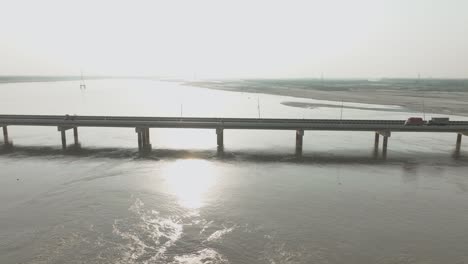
(75, 136)
(144, 144)
(386, 134)
(376, 141)
(140, 141)
(299, 141)
(5, 135)
(384, 147)
(6, 141)
(64, 139)
(459, 141)
(376, 145)
(147, 139)
(144, 140)
(63, 136)
(220, 138)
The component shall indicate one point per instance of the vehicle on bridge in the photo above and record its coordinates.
(414, 121)
(439, 121)
(69, 117)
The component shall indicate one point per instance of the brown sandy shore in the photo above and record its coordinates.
(439, 100)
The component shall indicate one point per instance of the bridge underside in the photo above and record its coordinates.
(144, 143)
(142, 127)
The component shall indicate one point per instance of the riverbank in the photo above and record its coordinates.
(435, 96)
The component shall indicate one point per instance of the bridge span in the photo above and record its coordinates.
(142, 124)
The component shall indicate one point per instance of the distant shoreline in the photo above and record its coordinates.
(450, 98)
(28, 79)
(440, 96)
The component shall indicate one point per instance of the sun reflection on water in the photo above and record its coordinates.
(190, 180)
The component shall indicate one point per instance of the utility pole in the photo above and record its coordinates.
(258, 106)
(341, 115)
(423, 108)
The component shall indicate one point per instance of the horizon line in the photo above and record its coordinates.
(104, 76)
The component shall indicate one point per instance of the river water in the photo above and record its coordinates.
(256, 203)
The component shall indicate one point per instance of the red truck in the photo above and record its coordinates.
(414, 121)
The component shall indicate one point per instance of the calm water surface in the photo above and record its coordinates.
(257, 203)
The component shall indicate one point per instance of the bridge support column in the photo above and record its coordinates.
(143, 139)
(299, 141)
(384, 147)
(144, 144)
(140, 141)
(75, 137)
(64, 139)
(459, 141)
(386, 134)
(63, 135)
(220, 138)
(376, 141)
(5, 135)
(376, 145)
(147, 140)
(6, 142)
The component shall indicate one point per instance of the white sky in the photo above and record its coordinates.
(237, 38)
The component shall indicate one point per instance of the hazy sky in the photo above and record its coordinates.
(348, 38)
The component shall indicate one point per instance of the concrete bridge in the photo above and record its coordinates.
(142, 126)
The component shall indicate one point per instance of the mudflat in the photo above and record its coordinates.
(429, 95)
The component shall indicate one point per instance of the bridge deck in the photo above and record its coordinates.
(228, 123)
